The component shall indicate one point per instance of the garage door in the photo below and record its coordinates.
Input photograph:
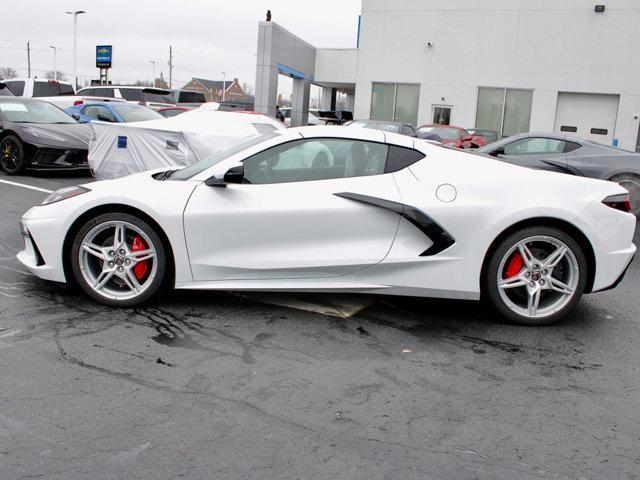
(587, 115)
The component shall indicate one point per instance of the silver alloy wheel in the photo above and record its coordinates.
(547, 280)
(107, 260)
(633, 187)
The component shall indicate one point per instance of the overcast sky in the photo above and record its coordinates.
(208, 36)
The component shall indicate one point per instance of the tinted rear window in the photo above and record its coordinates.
(192, 97)
(131, 94)
(157, 98)
(51, 89)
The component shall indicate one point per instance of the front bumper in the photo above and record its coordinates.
(42, 253)
(49, 158)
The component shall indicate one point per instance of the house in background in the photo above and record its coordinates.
(213, 89)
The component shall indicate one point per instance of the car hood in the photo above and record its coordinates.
(71, 135)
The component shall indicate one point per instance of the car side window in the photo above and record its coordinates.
(407, 130)
(94, 110)
(532, 146)
(401, 157)
(103, 92)
(16, 87)
(90, 111)
(571, 146)
(316, 159)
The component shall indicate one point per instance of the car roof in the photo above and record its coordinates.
(22, 99)
(365, 134)
(35, 79)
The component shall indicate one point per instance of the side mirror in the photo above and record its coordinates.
(104, 118)
(76, 115)
(234, 175)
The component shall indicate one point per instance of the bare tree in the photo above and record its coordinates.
(7, 72)
(51, 75)
(142, 83)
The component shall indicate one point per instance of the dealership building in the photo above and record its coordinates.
(506, 65)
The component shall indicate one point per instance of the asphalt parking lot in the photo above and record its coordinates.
(217, 385)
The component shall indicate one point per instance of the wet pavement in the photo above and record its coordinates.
(220, 385)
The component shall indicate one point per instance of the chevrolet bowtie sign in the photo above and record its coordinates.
(103, 56)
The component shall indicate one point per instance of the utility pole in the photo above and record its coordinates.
(75, 45)
(153, 78)
(55, 62)
(28, 60)
(170, 67)
(224, 86)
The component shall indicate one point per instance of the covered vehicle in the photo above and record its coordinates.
(35, 134)
(576, 156)
(119, 149)
(116, 112)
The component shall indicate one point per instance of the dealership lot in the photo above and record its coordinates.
(214, 385)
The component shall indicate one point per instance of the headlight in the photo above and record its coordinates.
(63, 194)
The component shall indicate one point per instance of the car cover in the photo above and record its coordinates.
(119, 149)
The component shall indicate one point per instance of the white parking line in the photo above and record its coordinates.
(24, 185)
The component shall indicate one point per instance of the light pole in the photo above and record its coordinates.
(153, 78)
(224, 86)
(55, 61)
(75, 45)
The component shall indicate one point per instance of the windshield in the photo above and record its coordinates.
(444, 133)
(34, 112)
(193, 170)
(135, 113)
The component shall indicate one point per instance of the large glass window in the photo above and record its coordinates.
(316, 159)
(503, 110)
(397, 102)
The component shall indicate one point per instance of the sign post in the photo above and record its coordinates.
(104, 55)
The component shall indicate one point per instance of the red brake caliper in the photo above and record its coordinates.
(514, 266)
(140, 270)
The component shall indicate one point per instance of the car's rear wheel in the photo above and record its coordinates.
(536, 275)
(631, 182)
(12, 158)
(118, 259)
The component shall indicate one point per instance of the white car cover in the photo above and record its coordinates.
(119, 149)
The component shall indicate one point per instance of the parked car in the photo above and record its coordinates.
(60, 93)
(169, 112)
(312, 119)
(188, 98)
(35, 134)
(572, 155)
(116, 112)
(393, 127)
(151, 97)
(367, 213)
(489, 135)
(4, 91)
(456, 137)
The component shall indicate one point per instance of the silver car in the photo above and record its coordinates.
(572, 155)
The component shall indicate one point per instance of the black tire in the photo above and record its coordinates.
(12, 158)
(160, 258)
(631, 182)
(489, 284)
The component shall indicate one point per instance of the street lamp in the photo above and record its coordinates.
(75, 44)
(55, 61)
(153, 78)
(224, 86)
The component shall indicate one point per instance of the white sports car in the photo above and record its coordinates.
(339, 210)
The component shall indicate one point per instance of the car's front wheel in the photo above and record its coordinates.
(536, 275)
(118, 259)
(12, 158)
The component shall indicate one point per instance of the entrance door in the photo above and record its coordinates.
(587, 115)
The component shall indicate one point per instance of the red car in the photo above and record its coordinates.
(452, 136)
(173, 111)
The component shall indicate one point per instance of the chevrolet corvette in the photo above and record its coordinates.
(336, 209)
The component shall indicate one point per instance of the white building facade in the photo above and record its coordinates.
(506, 65)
